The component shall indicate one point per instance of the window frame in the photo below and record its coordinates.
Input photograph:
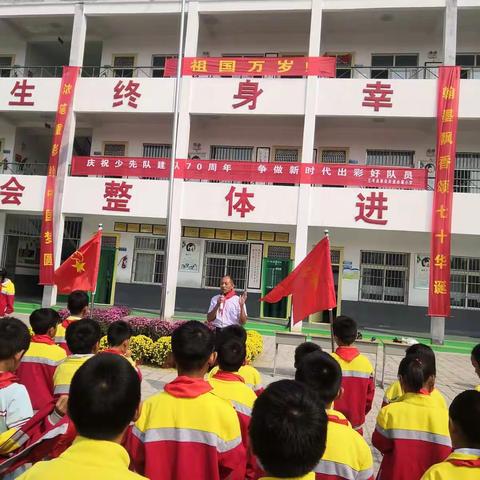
(386, 72)
(467, 273)
(154, 252)
(132, 68)
(392, 154)
(161, 69)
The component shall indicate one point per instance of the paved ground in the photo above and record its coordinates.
(455, 374)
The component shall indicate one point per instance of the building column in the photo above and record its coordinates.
(183, 141)
(66, 150)
(308, 142)
(437, 324)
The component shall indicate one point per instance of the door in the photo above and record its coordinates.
(274, 271)
(106, 270)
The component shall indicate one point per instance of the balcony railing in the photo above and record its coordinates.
(27, 168)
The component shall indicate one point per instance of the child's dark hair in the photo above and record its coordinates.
(192, 345)
(412, 370)
(118, 332)
(231, 332)
(476, 353)
(14, 337)
(82, 335)
(104, 396)
(426, 355)
(345, 329)
(465, 414)
(288, 429)
(231, 355)
(43, 319)
(304, 349)
(322, 373)
(77, 301)
(3, 275)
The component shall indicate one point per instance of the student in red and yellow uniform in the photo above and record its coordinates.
(357, 374)
(347, 455)
(464, 462)
(411, 433)
(475, 358)
(228, 384)
(7, 294)
(38, 365)
(288, 430)
(77, 305)
(97, 451)
(250, 374)
(425, 354)
(119, 334)
(83, 338)
(187, 431)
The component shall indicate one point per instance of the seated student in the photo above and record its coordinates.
(464, 462)
(42, 358)
(411, 433)
(288, 430)
(187, 431)
(475, 358)
(426, 355)
(303, 350)
(77, 305)
(357, 374)
(119, 334)
(347, 456)
(228, 384)
(104, 399)
(83, 338)
(249, 373)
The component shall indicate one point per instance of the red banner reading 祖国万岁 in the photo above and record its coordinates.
(447, 122)
(263, 172)
(67, 89)
(253, 67)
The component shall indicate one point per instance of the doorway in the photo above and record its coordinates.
(106, 270)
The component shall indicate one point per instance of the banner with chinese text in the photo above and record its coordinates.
(263, 172)
(447, 122)
(67, 89)
(261, 67)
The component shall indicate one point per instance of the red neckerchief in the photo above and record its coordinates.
(67, 322)
(43, 339)
(7, 378)
(347, 353)
(113, 350)
(424, 391)
(335, 419)
(187, 387)
(230, 294)
(228, 376)
(473, 463)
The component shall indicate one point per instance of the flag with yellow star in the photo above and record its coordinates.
(80, 270)
(311, 284)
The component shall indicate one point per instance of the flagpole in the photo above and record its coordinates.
(163, 296)
(92, 303)
(330, 310)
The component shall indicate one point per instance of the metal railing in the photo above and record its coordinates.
(27, 168)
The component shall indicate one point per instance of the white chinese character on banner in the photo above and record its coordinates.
(212, 167)
(408, 175)
(326, 171)
(105, 163)
(132, 164)
(199, 166)
(161, 165)
(91, 162)
(391, 174)
(342, 172)
(118, 163)
(294, 170)
(358, 172)
(146, 164)
(309, 170)
(277, 169)
(227, 168)
(262, 169)
(375, 173)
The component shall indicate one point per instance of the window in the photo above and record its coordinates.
(158, 64)
(391, 158)
(465, 282)
(148, 260)
(344, 64)
(114, 149)
(384, 277)
(334, 156)
(6, 62)
(399, 66)
(123, 65)
(154, 150)
(471, 62)
(225, 258)
(227, 152)
(467, 173)
(287, 155)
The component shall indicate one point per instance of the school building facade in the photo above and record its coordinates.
(257, 231)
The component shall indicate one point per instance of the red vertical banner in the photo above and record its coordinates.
(447, 122)
(67, 89)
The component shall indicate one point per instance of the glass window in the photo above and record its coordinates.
(148, 260)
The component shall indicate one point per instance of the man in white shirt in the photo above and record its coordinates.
(227, 308)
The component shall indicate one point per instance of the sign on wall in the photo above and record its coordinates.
(422, 270)
(190, 256)
(255, 266)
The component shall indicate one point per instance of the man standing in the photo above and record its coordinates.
(227, 308)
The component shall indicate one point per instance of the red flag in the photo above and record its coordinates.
(310, 284)
(80, 270)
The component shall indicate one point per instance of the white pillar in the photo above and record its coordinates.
(76, 59)
(183, 140)
(308, 142)
(437, 324)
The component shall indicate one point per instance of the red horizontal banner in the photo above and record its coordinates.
(253, 67)
(256, 172)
